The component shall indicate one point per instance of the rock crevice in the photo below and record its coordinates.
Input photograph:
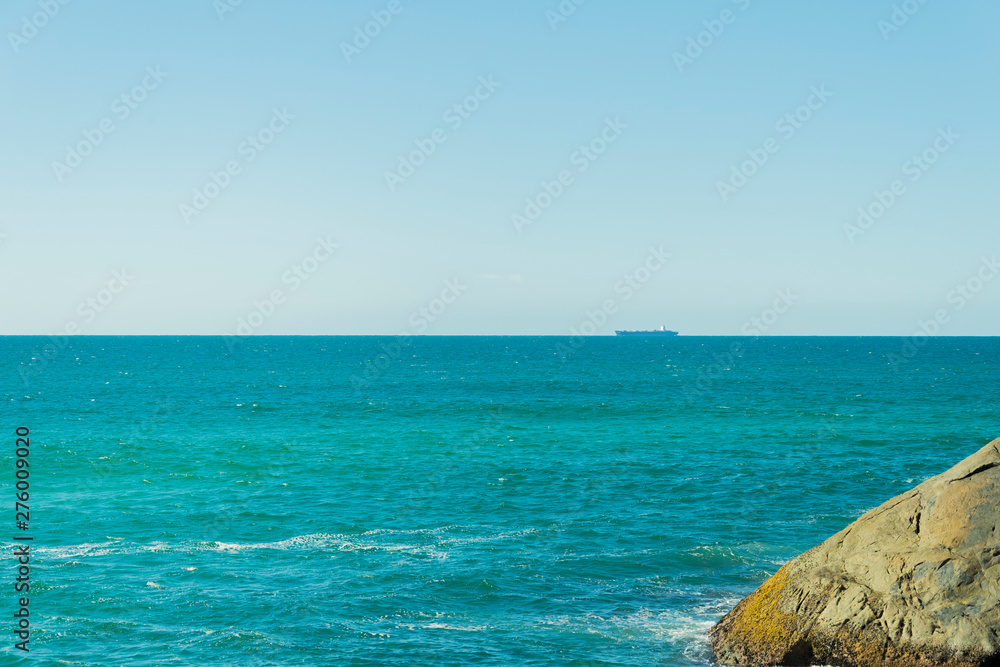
(912, 583)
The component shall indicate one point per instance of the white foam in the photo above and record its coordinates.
(445, 626)
(317, 541)
(112, 548)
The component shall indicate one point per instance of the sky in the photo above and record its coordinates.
(439, 167)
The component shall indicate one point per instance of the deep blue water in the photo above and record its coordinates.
(479, 500)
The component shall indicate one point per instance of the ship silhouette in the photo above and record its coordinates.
(662, 331)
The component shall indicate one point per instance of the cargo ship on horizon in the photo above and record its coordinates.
(662, 331)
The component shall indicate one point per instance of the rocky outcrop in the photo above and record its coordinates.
(914, 582)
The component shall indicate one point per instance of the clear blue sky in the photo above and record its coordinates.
(681, 127)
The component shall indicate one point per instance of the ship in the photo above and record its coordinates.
(662, 331)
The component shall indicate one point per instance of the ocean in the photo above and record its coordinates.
(450, 500)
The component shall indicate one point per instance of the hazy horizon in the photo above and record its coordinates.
(520, 169)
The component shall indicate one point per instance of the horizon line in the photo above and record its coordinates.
(399, 335)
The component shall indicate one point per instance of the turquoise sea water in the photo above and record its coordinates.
(451, 501)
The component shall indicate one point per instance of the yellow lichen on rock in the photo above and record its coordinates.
(760, 625)
(764, 622)
(909, 584)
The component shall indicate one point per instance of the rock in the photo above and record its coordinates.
(914, 582)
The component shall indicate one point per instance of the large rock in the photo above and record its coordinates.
(914, 582)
